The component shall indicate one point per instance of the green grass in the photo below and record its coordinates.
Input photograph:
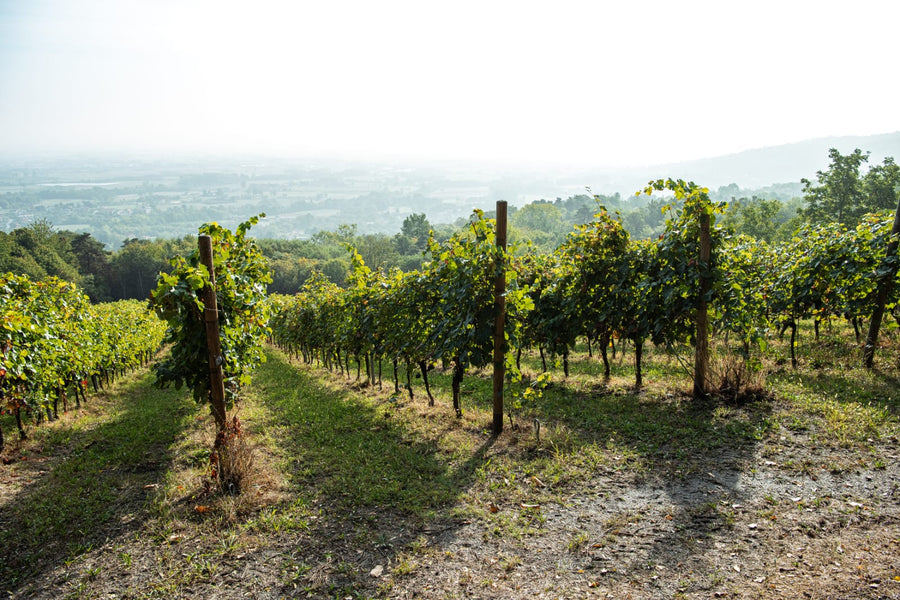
(830, 395)
(133, 462)
(101, 462)
(358, 450)
(587, 423)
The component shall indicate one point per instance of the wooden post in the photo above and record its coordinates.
(211, 318)
(499, 321)
(701, 350)
(885, 285)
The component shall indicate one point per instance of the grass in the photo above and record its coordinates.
(587, 425)
(355, 449)
(100, 466)
(133, 463)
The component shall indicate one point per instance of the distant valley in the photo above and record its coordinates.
(117, 199)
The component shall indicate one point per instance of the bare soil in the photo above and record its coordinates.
(740, 525)
(778, 517)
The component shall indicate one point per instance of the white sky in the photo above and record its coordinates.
(594, 82)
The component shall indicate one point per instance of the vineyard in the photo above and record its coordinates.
(55, 343)
(767, 468)
(602, 288)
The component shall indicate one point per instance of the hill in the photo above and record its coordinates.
(751, 169)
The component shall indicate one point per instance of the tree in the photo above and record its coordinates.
(336, 270)
(377, 250)
(542, 217)
(49, 249)
(881, 186)
(135, 267)
(416, 230)
(757, 217)
(839, 195)
(345, 234)
(93, 263)
(16, 259)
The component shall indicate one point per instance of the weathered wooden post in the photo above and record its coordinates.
(211, 318)
(701, 350)
(499, 319)
(885, 286)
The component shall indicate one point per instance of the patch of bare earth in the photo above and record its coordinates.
(743, 530)
(748, 525)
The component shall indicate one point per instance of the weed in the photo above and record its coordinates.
(275, 520)
(405, 566)
(292, 572)
(736, 379)
(204, 568)
(577, 542)
(232, 459)
(230, 542)
(509, 563)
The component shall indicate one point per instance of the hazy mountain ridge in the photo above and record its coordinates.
(760, 167)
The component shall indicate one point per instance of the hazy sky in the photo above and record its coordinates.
(596, 82)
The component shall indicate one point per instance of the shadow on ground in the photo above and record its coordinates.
(373, 484)
(95, 489)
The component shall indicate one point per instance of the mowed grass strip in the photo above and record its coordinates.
(364, 447)
(97, 475)
(353, 449)
(588, 424)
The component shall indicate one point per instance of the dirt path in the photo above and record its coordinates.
(755, 532)
(776, 517)
(743, 527)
